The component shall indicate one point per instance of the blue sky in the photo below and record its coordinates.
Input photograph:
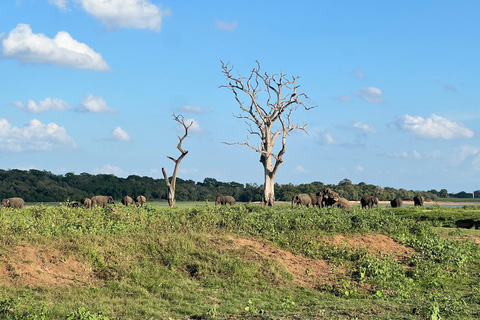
(91, 85)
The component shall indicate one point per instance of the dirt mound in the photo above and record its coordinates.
(34, 266)
(306, 271)
(375, 244)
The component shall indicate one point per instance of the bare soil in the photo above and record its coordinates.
(306, 271)
(314, 272)
(27, 265)
(376, 244)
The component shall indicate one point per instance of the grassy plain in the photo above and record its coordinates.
(198, 261)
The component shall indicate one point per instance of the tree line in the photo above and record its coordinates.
(44, 186)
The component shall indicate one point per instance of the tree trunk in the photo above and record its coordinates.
(171, 197)
(269, 189)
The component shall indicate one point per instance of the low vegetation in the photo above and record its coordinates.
(237, 262)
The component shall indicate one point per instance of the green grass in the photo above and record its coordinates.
(158, 263)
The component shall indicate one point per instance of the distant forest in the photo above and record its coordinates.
(44, 186)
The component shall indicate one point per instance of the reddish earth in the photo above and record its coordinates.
(27, 265)
(314, 272)
(377, 244)
(306, 271)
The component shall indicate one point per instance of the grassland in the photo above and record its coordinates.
(198, 261)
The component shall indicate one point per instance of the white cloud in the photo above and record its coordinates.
(476, 163)
(300, 169)
(364, 127)
(194, 109)
(44, 105)
(109, 169)
(95, 105)
(227, 26)
(195, 128)
(370, 95)
(343, 98)
(34, 136)
(463, 152)
(139, 14)
(415, 155)
(434, 127)
(120, 134)
(62, 4)
(326, 138)
(63, 50)
(357, 73)
(358, 168)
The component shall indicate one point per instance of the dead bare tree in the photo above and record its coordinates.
(268, 120)
(171, 184)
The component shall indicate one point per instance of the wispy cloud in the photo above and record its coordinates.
(34, 136)
(63, 50)
(358, 168)
(138, 14)
(364, 127)
(226, 26)
(370, 94)
(357, 73)
(300, 169)
(45, 105)
(94, 105)
(326, 138)
(109, 169)
(62, 4)
(415, 155)
(194, 109)
(434, 127)
(343, 98)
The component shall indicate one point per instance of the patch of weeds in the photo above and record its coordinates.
(83, 314)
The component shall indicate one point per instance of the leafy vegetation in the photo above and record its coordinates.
(184, 262)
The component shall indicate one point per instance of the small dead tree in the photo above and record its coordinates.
(171, 184)
(268, 119)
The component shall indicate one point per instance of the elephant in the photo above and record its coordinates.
(141, 200)
(317, 199)
(225, 200)
(342, 203)
(74, 204)
(418, 201)
(127, 200)
(369, 201)
(102, 201)
(396, 203)
(302, 199)
(87, 203)
(15, 203)
(330, 197)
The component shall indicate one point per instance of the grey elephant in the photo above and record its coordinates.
(141, 200)
(396, 203)
(127, 200)
(368, 201)
(342, 203)
(317, 199)
(418, 201)
(87, 203)
(302, 199)
(15, 203)
(330, 197)
(102, 201)
(223, 200)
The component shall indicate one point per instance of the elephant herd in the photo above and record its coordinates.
(323, 198)
(329, 198)
(103, 201)
(99, 200)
